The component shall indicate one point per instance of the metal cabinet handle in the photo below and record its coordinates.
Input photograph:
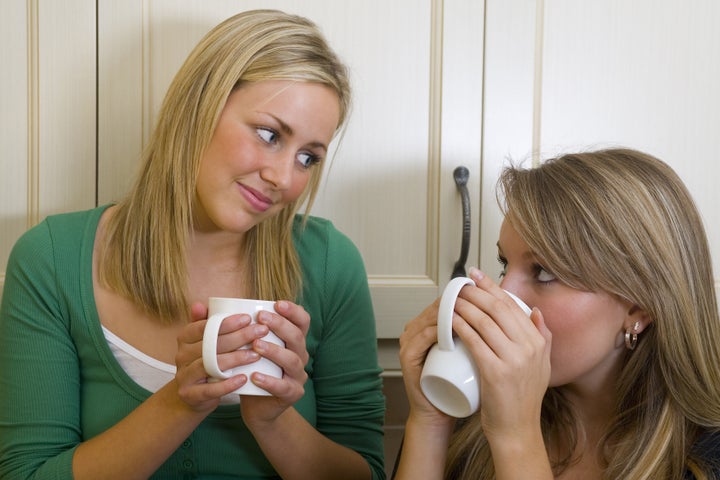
(461, 175)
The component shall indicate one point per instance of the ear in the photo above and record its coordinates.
(637, 319)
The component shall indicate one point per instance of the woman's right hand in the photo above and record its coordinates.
(428, 430)
(419, 335)
(192, 381)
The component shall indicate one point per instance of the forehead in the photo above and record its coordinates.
(509, 239)
(307, 105)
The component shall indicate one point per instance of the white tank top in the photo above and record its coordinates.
(148, 372)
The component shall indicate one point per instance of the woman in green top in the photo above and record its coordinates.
(101, 374)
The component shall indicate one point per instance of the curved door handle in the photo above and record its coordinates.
(461, 175)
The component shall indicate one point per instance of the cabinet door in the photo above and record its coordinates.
(47, 113)
(567, 75)
(416, 116)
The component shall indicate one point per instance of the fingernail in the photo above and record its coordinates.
(476, 273)
(258, 377)
(281, 304)
(260, 345)
(264, 318)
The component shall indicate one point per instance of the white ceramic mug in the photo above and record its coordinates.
(220, 308)
(450, 379)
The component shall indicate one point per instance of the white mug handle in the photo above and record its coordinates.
(446, 309)
(209, 345)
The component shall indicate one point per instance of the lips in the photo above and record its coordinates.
(257, 200)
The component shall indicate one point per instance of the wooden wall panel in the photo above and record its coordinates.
(47, 117)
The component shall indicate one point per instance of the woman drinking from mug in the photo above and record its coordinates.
(101, 372)
(616, 373)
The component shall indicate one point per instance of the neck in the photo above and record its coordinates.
(218, 266)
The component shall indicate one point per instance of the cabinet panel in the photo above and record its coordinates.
(510, 106)
(389, 178)
(47, 117)
(14, 129)
(564, 76)
(641, 74)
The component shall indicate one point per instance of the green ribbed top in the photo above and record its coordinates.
(60, 383)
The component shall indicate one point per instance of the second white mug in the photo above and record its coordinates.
(450, 380)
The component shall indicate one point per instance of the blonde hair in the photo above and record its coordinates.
(622, 222)
(146, 242)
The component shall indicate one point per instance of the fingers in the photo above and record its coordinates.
(498, 305)
(417, 338)
(426, 318)
(198, 311)
(420, 333)
(290, 324)
(240, 342)
(191, 377)
(539, 321)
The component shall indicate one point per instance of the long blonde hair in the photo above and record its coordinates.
(622, 222)
(145, 250)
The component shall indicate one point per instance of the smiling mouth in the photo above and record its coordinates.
(257, 200)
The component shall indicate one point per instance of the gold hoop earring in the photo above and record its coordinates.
(631, 336)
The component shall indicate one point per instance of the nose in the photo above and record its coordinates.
(511, 284)
(278, 171)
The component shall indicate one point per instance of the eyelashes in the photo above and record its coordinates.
(271, 137)
(503, 263)
(267, 135)
(538, 272)
(307, 160)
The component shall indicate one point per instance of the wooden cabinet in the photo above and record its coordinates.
(437, 84)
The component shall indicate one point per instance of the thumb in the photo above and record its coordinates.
(198, 311)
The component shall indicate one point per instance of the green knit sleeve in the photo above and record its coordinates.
(345, 372)
(39, 376)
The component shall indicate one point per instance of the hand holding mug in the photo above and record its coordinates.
(450, 379)
(220, 308)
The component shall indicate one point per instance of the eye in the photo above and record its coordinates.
(307, 159)
(503, 262)
(267, 135)
(542, 275)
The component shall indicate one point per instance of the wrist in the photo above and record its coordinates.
(507, 447)
(435, 425)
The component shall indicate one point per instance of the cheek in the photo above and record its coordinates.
(566, 325)
(582, 337)
(300, 182)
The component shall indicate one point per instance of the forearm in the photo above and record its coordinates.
(313, 455)
(140, 443)
(424, 451)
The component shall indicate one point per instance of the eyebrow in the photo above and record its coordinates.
(287, 130)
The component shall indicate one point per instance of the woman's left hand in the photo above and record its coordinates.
(512, 352)
(291, 324)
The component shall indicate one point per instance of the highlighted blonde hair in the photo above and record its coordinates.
(144, 255)
(622, 222)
